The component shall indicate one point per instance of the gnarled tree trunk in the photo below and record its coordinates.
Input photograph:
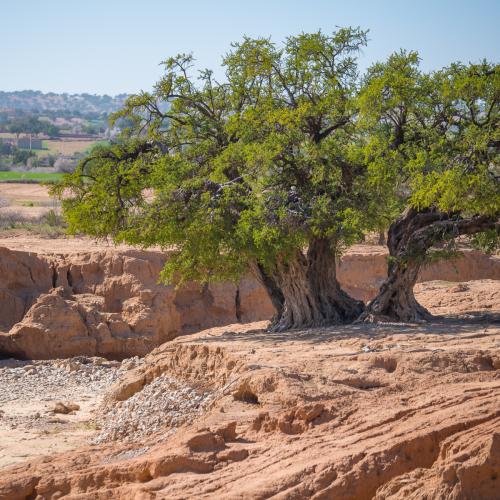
(410, 237)
(305, 291)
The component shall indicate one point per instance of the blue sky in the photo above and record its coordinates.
(114, 46)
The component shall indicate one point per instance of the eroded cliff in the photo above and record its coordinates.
(109, 303)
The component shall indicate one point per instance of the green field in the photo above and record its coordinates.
(29, 177)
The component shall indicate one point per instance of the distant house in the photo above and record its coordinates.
(29, 143)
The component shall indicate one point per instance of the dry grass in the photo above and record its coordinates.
(63, 146)
(68, 146)
(49, 225)
(17, 192)
(29, 201)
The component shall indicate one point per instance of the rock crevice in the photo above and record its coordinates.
(108, 304)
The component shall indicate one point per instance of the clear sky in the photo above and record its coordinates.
(114, 46)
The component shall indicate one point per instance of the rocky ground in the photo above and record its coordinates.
(356, 412)
(55, 405)
(164, 403)
(32, 390)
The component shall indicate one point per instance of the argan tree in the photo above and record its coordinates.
(433, 147)
(291, 159)
(264, 171)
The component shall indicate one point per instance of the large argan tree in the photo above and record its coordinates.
(291, 159)
(433, 147)
(261, 171)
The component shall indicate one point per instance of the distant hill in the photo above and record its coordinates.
(33, 100)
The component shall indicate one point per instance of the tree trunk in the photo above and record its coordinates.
(305, 291)
(410, 237)
(396, 300)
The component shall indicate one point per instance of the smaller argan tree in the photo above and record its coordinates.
(434, 148)
(264, 171)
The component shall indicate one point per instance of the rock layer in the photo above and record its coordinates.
(108, 303)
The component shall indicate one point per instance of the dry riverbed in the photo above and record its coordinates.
(29, 393)
(57, 405)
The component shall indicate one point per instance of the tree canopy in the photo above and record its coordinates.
(435, 136)
(434, 148)
(33, 125)
(289, 159)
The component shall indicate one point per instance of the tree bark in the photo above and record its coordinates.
(305, 291)
(410, 237)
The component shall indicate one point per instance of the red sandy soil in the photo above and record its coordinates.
(355, 412)
(352, 412)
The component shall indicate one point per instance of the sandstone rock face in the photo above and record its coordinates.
(22, 278)
(54, 323)
(363, 269)
(108, 303)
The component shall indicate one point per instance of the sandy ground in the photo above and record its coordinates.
(29, 392)
(446, 298)
(18, 192)
(355, 412)
(18, 196)
(55, 435)
(20, 240)
(29, 389)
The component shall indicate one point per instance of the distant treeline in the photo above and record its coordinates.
(28, 125)
(33, 100)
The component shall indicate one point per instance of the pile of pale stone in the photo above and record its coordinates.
(59, 387)
(162, 405)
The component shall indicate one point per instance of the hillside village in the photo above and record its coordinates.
(49, 133)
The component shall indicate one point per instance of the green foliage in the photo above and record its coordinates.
(107, 188)
(33, 177)
(33, 125)
(433, 139)
(246, 170)
(292, 146)
(53, 219)
(6, 148)
(488, 241)
(21, 156)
